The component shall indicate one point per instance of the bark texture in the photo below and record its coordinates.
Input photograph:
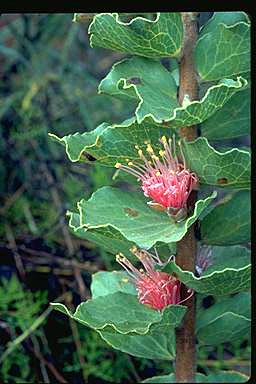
(187, 247)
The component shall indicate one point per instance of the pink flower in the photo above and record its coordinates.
(166, 181)
(155, 289)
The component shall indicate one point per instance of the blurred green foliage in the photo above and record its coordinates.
(19, 309)
(83, 354)
(102, 362)
(49, 80)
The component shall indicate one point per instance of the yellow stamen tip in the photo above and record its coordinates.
(150, 149)
(125, 280)
(118, 165)
(134, 249)
(163, 139)
(143, 253)
(120, 257)
(155, 157)
(158, 173)
(140, 153)
(136, 146)
(130, 163)
(161, 153)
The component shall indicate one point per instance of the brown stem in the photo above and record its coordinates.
(186, 248)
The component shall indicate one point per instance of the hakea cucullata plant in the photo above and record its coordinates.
(148, 321)
(155, 289)
(164, 179)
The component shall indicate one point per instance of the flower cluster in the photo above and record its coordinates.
(166, 181)
(155, 288)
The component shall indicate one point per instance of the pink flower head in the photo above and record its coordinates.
(166, 181)
(155, 288)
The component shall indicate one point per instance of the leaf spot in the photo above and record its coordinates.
(88, 156)
(222, 180)
(134, 80)
(131, 212)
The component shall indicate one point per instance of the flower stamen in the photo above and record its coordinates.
(163, 178)
(156, 289)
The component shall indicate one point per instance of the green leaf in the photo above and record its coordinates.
(123, 322)
(227, 18)
(230, 272)
(160, 346)
(111, 143)
(229, 222)
(216, 96)
(224, 51)
(111, 240)
(161, 37)
(227, 377)
(233, 120)
(171, 379)
(136, 79)
(77, 144)
(118, 312)
(122, 313)
(106, 237)
(105, 283)
(235, 257)
(220, 377)
(224, 169)
(129, 213)
(156, 346)
(227, 320)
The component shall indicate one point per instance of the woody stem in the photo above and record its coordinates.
(186, 248)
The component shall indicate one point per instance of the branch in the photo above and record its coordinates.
(186, 248)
